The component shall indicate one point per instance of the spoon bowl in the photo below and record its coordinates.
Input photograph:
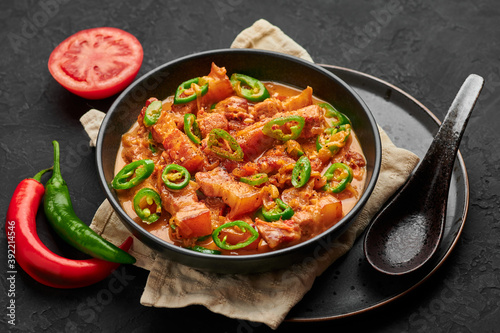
(407, 231)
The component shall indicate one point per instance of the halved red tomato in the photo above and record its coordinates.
(96, 63)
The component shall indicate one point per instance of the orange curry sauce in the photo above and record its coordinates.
(215, 195)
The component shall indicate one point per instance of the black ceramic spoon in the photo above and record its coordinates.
(408, 230)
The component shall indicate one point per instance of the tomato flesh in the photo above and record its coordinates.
(96, 63)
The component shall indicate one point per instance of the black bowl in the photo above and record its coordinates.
(264, 65)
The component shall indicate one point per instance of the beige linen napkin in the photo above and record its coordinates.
(265, 36)
(266, 297)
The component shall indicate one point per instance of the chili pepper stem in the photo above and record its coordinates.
(38, 176)
(56, 171)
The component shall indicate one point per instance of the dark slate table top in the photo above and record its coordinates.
(427, 48)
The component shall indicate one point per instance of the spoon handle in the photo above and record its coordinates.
(444, 147)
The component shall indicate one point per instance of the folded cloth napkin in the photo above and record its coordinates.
(265, 36)
(265, 297)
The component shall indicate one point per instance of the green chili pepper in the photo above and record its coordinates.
(153, 112)
(255, 180)
(142, 169)
(337, 182)
(152, 144)
(143, 201)
(301, 172)
(281, 211)
(274, 127)
(331, 112)
(202, 249)
(172, 174)
(249, 88)
(293, 148)
(326, 138)
(61, 216)
(243, 225)
(179, 99)
(213, 143)
(191, 128)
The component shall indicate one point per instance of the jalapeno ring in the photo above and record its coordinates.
(256, 91)
(180, 99)
(191, 128)
(142, 170)
(172, 173)
(213, 144)
(153, 112)
(241, 224)
(333, 138)
(301, 172)
(331, 112)
(281, 211)
(274, 127)
(255, 180)
(142, 209)
(341, 180)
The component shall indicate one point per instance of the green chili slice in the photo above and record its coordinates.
(331, 112)
(301, 172)
(144, 200)
(243, 225)
(249, 88)
(255, 180)
(133, 174)
(153, 112)
(338, 176)
(152, 144)
(191, 128)
(275, 127)
(203, 238)
(175, 177)
(294, 149)
(180, 94)
(334, 138)
(224, 145)
(281, 211)
(202, 249)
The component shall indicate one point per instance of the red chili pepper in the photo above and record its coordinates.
(34, 257)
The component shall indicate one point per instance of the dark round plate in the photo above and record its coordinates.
(351, 286)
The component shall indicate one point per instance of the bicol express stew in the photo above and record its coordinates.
(232, 165)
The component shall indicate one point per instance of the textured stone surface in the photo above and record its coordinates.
(427, 48)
